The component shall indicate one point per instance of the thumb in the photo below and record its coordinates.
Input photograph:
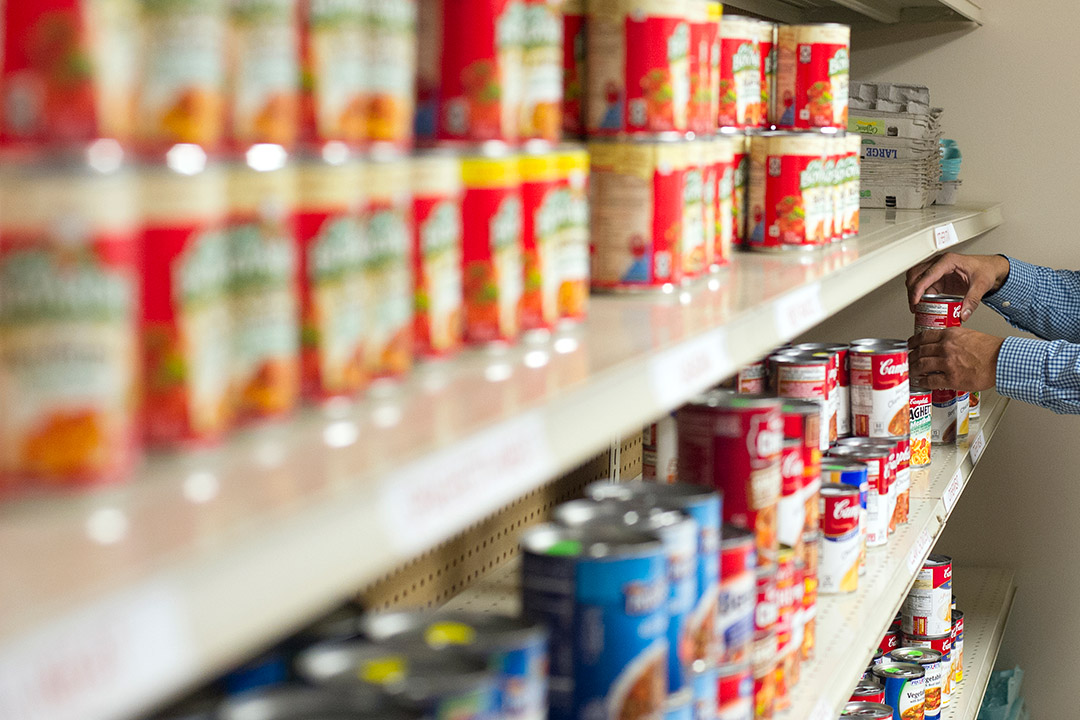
(974, 295)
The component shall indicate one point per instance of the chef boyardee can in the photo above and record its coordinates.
(936, 664)
(603, 593)
(905, 685)
(867, 711)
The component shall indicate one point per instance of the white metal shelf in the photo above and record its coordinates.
(879, 11)
(986, 597)
(226, 549)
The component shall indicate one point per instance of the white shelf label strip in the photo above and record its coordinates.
(945, 236)
(919, 551)
(977, 447)
(799, 310)
(693, 366)
(953, 490)
(433, 498)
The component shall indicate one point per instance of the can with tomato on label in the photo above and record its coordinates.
(330, 251)
(636, 192)
(390, 56)
(732, 443)
(812, 75)
(638, 60)
(919, 402)
(573, 68)
(840, 540)
(788, 191)
(541, 202)
(69, 320)
(437, 192)
(572, 252)
(974, 401)
(880, 388)
(332, 105)
(740, 73)
(766, 37)
(492, 251)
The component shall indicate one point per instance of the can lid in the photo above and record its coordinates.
(915, 390)
(827, 347)
(480, 631)
(802, 358)
(731, 399)
(597, 541)
(843, 465)
(860, 452)
(673, 495)
(838, 490)
(940, 297)
(917, 655)
(907, 671)
(883, 345)
(800, 406)
(935, 560)
(866, 711)
(957, 615)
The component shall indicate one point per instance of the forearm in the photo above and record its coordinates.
(1039, 300)
(1041, 372)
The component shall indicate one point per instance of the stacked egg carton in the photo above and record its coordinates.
(901, 161)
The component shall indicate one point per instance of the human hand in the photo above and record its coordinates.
(956, 358)
(969, 276)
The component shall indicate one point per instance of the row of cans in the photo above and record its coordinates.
(169, 302)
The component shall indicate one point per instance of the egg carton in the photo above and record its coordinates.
(901, 197)
(868, 92)
(898, 149)
(878, 123)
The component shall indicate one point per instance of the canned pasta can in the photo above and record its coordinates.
(905, 688)
(920, 406)
(936, 664)
(927, 609)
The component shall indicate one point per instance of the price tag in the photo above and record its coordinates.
(919, 551)
(799, 310)
(945, 236)
(977, 447)
(433, 498)
(953, 490)
(693, 366)
(105, 660)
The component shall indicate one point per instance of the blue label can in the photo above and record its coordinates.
(603, 593)
(905, 688)
(706, 692)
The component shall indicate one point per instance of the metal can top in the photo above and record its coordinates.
(838, 490)
(867, 711)
(957, 615)
(731, 399)
(585, 513)
(294, 702)
(802, 358)
(883, 345)
(906, 671)
(918, 656)
(867, 686)
(937, 561)
(843, 465)
(483, 632)
(919, 390)
(926, 638)
(889, 441)
(667, 136)
(937, 297)
(800, 406)
(860, 452)
(592, 542)
(733, 537)
(673, 495)
(821, 347)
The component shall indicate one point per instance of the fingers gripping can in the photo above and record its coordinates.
(838, 571)
(936, 665)
(905, 688)
(938, 312)
(927, 610)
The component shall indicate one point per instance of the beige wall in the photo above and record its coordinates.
(1011, 90)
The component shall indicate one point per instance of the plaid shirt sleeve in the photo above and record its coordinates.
(1046, 303)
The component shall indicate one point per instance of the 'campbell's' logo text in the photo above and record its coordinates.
(764, 441)
(845, 510)
(888, 366)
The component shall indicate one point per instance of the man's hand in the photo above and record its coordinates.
(955, 358)
(969, 276)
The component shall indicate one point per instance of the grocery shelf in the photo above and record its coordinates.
(211, 554)
(880, 11)
(986, 597)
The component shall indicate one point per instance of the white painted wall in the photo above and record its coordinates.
(1011, 90)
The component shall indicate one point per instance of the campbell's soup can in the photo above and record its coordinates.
(437, 192)
(853, 473)
(638, 66)
(330, 252)
(766, 37)
(786, 576)
(573, 68)
(936, 665)
(890, 640)
(963, 413)
(927, 610)
(869, 691)
(542, 63)
(482, 70)
(838, 571)
(852, 184)
(572, 252)
(938, 312)
(899, 448)
(880, 389)
(735, 693)
(944, 645)
(958, 646)
(695, 255)
(812, 75)
(788, 191)
(636, 193)
(805, 376)
(905, 688)
(921, 408)
(69, 323)
(540, 199)
(332, 103)
(867, 711)
(750, 380)
(738, 595)
(659, 451)
(724, 170)
(607, 614)
(879, 509)
(740, 73)
(492, 246)
(733, 443)
(740, 180)
(801, 423)
(839, 381)
(791, 508)
(390, 57)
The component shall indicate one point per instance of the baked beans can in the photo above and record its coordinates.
(767, 47)
(607, 614)
(636, 192)
(638, 59)
(812, 75)
(938, 312)
(482, 75)
(878, 507)
(880, 389)
(541, 198)
(330, 252)
(791, 508)
(733, 443)
(869, 691)
(388, 270)
(332, 104)
(185, 305)
(936, 665)
(740, 178)
(840, 539)
(437, 192)
(695, 248)
(572, 254)
(927, 609)
(542, 68)
(867, 711)
(706, 695)
(853, 473)
(390, 55)
(659, 451)
(181, 93)
(789, 192)
(724, 170)
(921, 409)
(738, 595)
(69, 320)
(573, 68)
(905, 688)
(974, 401)
(735, 693)
(492, 247)
(805, 376)
(740, 73)
(852, 184)
(68, 71)
(958, 646)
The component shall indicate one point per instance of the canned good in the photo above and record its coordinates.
(920, 405)
(899, 448)
(927, 609)
(330, 252)
(715, 12)
(390, 57)
(937, 312)
(973, 405)
(517, 649)
(750, 380)
(880, 389)
(69, 323)
(791, 508)
(839, 381)
(659, 451)
(869, 691)
(936, 665)
(636, 208)
(890, 640)
(805, 376)
(492, 249)
(710, 151)
(878, 510)
(944, 645)
(811, 553)
(297, 702)
(788, 191)
(767, 46)
(765, 692)
(867, 711)
(905, 688)
(852, 184)
(724, 157)
(840, 539)
(695, 258)
(740, 180)
(706, 695)
(740, 73)
(963, 412)
(572, 254)
(542, 61)
(732, 443)
(766, 615)
(332, 107)
(958, 645)
(703, 33)
(802, 419)
(603, 593)
(853, 473)
(540, 195)
(812, 75)
(787, 577)
(735, 693)
(573, 68)
(738, 598)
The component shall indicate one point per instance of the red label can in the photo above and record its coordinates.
(703, 33)
(890, 640)
(541, 218)
(788, 191)
(766, 614)
(880, 389)
(390, 57)
(812, 75)
(724, 171)
(542, 61)
(740, 73)
(492, 251)
(573, 69)
(937, 312)
(791, 509)
(740, 178)
(785, 597)
(868, 691)
(695, 242)
(809, 560)
(805, 376)
(841, 536)
(765, 692)
(927, 610)
(572, 253)
(735, 692)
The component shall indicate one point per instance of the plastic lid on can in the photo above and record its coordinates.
(905, 671)
(916, 655)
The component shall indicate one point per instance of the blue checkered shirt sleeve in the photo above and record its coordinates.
(1045, 303)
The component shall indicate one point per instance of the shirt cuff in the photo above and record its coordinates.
(1020, 366)
(1018, 290)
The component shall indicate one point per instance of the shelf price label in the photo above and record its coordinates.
(799, 310)
(693, 366)
(977, 447)
(953, 490)
(919, 551)
(945, 236)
